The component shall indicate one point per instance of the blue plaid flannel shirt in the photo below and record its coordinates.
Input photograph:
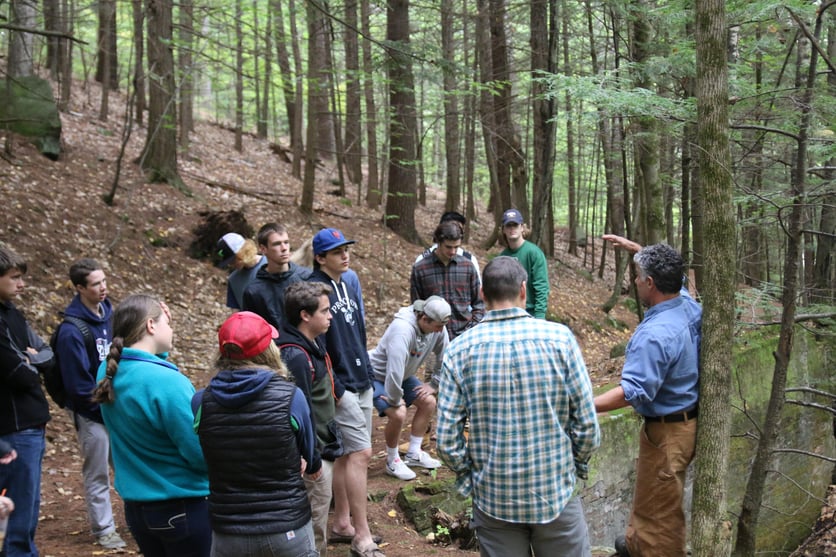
(523, 385)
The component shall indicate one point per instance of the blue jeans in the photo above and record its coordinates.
(171, 528)
(22, 479)
(295, 543)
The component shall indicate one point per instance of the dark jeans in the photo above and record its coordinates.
(171, 528)
(22, 480)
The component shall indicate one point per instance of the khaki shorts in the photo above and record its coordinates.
(354, 418)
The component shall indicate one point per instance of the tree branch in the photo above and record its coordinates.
(806, 453)
(764, 129)
(799, 318)
(44, 32)
(811, 391)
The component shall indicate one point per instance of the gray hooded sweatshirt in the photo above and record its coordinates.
(402, 351)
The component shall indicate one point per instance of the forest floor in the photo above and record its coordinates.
(54, 214)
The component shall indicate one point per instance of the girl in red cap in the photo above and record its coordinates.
(257, 435)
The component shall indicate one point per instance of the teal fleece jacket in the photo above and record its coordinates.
(156, 453)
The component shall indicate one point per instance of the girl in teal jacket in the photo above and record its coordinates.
(146, 406)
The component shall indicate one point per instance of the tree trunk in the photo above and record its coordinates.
(65, 53)
(753, 498)
(452, 150)
(510, 160)
(267, 93)
(107, 48)
(353, 111)
(186, 66)
(22, 44)
(571, 181)
(317, 99)
(824, 271)
(710, 533)
(239, 77)
(258, 53)
(140, 103)
(543, 41)
(52, 22)
(296, 143)
(159, 156)
(286, 76)
(401, 201)
(486, 113)
(646, 139)
(373, 193)
(107, 13)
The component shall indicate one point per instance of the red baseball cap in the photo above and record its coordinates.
(248, 332)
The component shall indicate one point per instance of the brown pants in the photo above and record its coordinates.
(657, 521)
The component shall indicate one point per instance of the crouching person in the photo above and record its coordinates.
(257, 437)
(416, 332)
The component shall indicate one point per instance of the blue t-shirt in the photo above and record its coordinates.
(661, 368)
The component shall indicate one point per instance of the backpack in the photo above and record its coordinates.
(53, 381)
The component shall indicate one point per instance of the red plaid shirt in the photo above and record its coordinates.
(457, 282)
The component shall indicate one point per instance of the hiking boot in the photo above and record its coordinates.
(400, 470)
(621, 547)
(423, 460)
(111, 541)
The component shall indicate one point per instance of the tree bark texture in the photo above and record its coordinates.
(373, 194)
(709, 524)
(140, 102)
(159, 156)
(401, 199)
(185, 65)
(543, 41)
(107, 54)
(353, 101)
(452, 146)
(21, 44)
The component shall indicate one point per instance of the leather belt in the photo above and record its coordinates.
(673, 418)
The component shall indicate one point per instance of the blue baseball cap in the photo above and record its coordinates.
(511, 215)
(328, 239)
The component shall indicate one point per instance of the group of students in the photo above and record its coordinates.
(249, 465)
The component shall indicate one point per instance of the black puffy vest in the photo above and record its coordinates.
(255, 482)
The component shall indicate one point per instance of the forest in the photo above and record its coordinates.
(705, 124)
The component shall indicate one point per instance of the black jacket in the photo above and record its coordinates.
(265, 294)
(255, 480)
(22, 401)
(310, 366)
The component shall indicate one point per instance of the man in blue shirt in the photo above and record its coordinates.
(523, 386)
(660, 380)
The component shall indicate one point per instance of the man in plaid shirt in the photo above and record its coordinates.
(523, 386)
(452, 276)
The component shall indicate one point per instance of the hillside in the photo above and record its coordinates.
(55, 214)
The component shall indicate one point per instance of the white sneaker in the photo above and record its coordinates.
(400, 470)
(111, 541)
(422, 459)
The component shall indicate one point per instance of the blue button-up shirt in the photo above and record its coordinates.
(523, 385)
(661, 368)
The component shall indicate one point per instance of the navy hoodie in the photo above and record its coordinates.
(80, 364)
(236, 388)
(346, 338)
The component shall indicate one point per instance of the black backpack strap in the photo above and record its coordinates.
(308, 356)
(82, 326)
